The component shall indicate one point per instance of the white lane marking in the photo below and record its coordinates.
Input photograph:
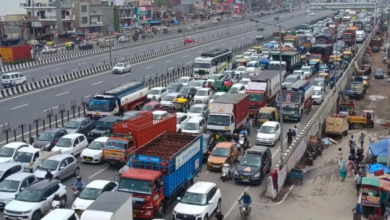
(242, 38)
(45, 77)
(168, 61)
(56, 69)
(51, 108)
(97, 83)
(62, 93)
(149, 67)
(104, 58)
(171, 68)
(125, 74)
(105, 168)
(235, 203)
(185, 56)
(200, 51)
(207, 172)
(157, 45)
(20, 106)
(82, 63)
(142, 50)
(124, 53)
(223, 44)
(189, 62)
(87, 96)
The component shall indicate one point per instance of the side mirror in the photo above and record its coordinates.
(178, 198)
(211, 202)
(61, 168)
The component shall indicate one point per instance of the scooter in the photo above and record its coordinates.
(76, 192)
(226, 172)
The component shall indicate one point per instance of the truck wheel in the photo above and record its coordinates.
(159, 213)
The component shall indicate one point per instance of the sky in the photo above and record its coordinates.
(11, 7)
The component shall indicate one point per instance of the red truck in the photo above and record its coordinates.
(333, 26)
(131, 134)
(16, 54)
(262, 90)
(349, 36)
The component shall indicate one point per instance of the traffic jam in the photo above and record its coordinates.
(160, 138)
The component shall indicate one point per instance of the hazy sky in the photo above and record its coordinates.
(11, 7)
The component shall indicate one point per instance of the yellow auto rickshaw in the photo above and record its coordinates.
(69, 45)
(257, 48)
(50, 43)
(242, 62)
(303, 57)
(347, 55)
(324, 75)
(268, 114)
(180, 104)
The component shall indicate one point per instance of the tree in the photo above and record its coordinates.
(160, 3)
(116, 18)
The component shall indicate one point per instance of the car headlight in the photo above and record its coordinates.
(256, 175)
(235, 172)
(270, 139)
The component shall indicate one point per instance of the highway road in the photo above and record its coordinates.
(25, 108)
(59, 68)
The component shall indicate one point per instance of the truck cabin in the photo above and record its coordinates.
(277, 65)
(102, 104)
(346, 20)
(303, 27)
(117, 147)
(358, 25)
(291, 101)
(325, 38)
(256, 98)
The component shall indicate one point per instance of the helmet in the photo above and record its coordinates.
(246, 193)
(78, 178)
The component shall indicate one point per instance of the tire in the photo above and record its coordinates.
(206, 217)
(25, 82)
(36, 215)
(219, 206)
(76, 172)
(159, 213)
(63, 202)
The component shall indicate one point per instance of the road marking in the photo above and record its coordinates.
(62, 93)
(87, 96)
(171, 68)
(97, 83)
(207, 172)
(168, 61)
(170, 42)
(3, 124)
(142, 50)
(104, 58)
(185, 56)
(105, 168)
(56, 69)
(125, 74)
(82, 63)
(149, 67)
(233, 41)
(45, 77)
(124, 53)
(20, 106)
(51, 108)
(242, 38)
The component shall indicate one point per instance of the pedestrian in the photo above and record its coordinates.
(358, 179)
(361, 140)
(289, 137)
(384, 60)
(295, 131)
(339, 156)
(350, 165)
(343, 170)
(357, 212)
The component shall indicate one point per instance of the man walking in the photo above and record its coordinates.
(361, 139)
(358, 178)
(289, 137)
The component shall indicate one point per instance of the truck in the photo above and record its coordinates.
(161, 171)
(336, 126)
(16, 54)
(262, 90)
(31, 158)
(292, 59)
(321, 52)
(359, 25)
(228, 113)
(333, 26)
(295, 100)
(357, 89)
(279, 36)
(292, 41)
(360, 36)
(132, 134)
(325, 38)
(130, 96)
(110, 206)
(349, 36)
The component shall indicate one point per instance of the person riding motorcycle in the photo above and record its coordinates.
(248, 125)
(236, 138)
(78, 184)
(247, 200)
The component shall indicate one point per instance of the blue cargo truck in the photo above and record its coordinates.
(161, 171)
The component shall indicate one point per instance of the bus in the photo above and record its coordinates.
(212, 62)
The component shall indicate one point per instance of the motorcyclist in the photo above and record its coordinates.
(236, 138)
(78, 184)
(248, 125)
(247, 200)
(48, 175)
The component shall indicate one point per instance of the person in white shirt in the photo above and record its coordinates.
(358, 179)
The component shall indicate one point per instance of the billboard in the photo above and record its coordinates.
(144, 14)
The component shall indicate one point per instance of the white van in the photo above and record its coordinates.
(61, 214)
(360, 36)
(12, 79)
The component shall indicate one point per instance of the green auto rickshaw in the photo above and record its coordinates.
(222, 85)
(69, 45)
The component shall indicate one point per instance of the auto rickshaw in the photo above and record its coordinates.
(257, 48)
(222, 85)
(69, 45)
(367, 69)
(165, 30)
(324, 75)
(315, 65)
(347, 55)
(180, 104)
(268, 114)
(364, 121)
(50, 43)
(303, 57)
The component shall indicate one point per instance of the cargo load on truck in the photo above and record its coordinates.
(357, 89)
(130, 96)
(325, 38)
(349, 36)
(132, 134)
(228, 113)
(336, 126)
(292, 41)
(292, 59)
(16, 54)
(110, 206)
(163, 168)
(321, 52)
(279, 36)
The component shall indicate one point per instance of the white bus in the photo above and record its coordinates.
(212, 62)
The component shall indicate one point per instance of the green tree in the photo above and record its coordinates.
(160, 3)
(116, 18)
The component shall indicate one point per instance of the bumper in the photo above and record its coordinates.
(216, 167)
(117, 71)
(6, 84)
(143, 214)
(114, 161)
(200, 101)
(317, 101)
(87, 159)
(267, 143)
(253, 111)
(9, 216)
(251, 180)
(291, 118)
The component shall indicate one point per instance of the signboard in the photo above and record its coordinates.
(258, 86)
(187, 154)
(371, 201)
(142, 158)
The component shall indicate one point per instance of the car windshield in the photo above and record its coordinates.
(172, 86)
(195, 109)
(46, 136)
(202, 65)
(220, 152)
(219, 120)
(72, 125)
(120, 65)
(194, 198)
(90, 193)
(379, 72)
(241, 68)
(234, 90)
(256, 97)
(23, 157)
(6, 77)
(318, 83)
(135, 186)
(147, 108)
(317, 92)
(49, 165)
(28, 195)
(267, 130)
(169, 98)
(99, 105)
(9, 186)
(201, 93)
(290, 79)
(305, 69)
(183, 80)
(196, 83)
(103, 125)
(6, 152)
(250, 161)
(64, 142)
(154, 92)
(96, 145)
(159, 116)
(190, 126)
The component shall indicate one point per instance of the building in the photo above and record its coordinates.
(127, 12)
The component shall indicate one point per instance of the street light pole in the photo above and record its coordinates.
(109, 38)
(33, 15)
(281, 103)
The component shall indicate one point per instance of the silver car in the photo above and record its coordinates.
(61, 166)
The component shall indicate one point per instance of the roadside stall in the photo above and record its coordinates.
(372, 188)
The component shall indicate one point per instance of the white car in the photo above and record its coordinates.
(7, 152)
(200, 200)
(123, 39)
(290, 80)
(167, 100)
(12, 79)
(237, 88)
(181, 118)
(46, 50)
(159, 115)
(299, 73)
(93, 153)
(34, 200)
(248, 54)
(240, 70)
(157, 93)
(307, 72)
(268, 134)
(91, 192)
(245, 82)
(195, 125)
(71, 144)
(215, 96)
(197, 84)
(318, 95)
(185, 80)
(203, 95)
(12, 185)
(122, 67)
(198, 110)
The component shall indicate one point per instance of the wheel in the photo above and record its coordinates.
(219, 207)
(25, 82)
(36, 216)
(206, 218)
(159, 213)
(63, 202)
(76, 172)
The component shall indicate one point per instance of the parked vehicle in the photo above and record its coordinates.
(7, 169)
(93, 153)
(195, 125)
(48, 139)
(336, 126)
(61, 214)
(12, 79)
(61, 166)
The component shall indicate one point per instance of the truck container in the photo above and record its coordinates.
(376, 41)
(292, 59)
(130, 96)
(161, 171)
(321, 52)
(349, 36)
(132, 134)
(228, 113)
(336, 126)
(262, 90)
(110, 206)
(16, 54)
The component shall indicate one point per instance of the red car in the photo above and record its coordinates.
(189, 40)
(151, 106)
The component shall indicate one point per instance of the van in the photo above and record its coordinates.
(12, 79)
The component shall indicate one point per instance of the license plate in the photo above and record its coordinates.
(200, 76)
(134, 215)
(216, 166)
(286, 116)
(12, 218)
(87, 159)
(245, 180)
(112, 151)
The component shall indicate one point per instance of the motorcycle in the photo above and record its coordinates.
(359, 156)
(76, 192)
(226, 172)
(244, 210)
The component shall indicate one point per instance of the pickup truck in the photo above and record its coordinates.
(31, 158)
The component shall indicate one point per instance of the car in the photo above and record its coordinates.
(61, 214)
(103, 127)
(198, 202)
(198, 110)
(122, 67)
(240, 70)
(324, 69)
(91, 192)
(85, 46)
(269, 133)
(248, 54)
(157, 93)
(198, 84)
(203, 95)
(71, 144)
(188, 92)
(167, 101)
(216, 96)
(7, 152)
(307, 71)
(245, 81)
(181, 118)
(13, 185)
(49, 138)
(290, 80)
(223, 152)
(195, 125)
(259, 160)
(174, 87)
(375, 49)
(151, 106)
(318, 96)
(299, 73)
(79, 125)
(185, 80)
(214, 77)
(7, 169)
(378, 74)
(47, 50)
(312, 14)
(93, 153)
(131, 114)
(237, 88)
(123, 39)
(320, 83)
(209, 142)
(33, 202)
(159, 115)
(62, 166)
(189, 40)
(12, 79)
